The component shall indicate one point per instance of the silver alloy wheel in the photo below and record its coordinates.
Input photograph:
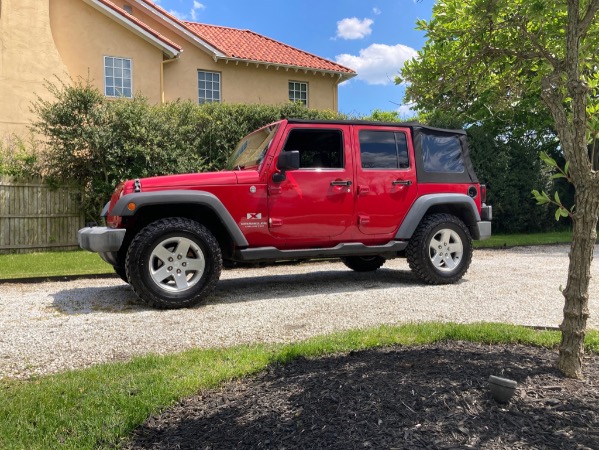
(176, 264)
(446, 250)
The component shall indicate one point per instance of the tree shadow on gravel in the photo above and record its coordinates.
(418, 397)
(121, 298)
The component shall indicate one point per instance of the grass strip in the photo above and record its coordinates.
(98, 407)
(52, 264)
(516, 240)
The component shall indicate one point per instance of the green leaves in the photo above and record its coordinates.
(561, 212)
(541, 197)
(548, 159)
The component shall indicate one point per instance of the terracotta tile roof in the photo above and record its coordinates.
(249, 46)
(141, 24)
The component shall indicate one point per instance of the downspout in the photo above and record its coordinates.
(162, 77)
(336, 92)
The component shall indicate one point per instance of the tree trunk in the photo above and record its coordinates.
(576, 311)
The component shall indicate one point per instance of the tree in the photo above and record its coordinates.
(525, 60)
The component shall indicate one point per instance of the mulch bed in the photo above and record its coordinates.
(433, 397)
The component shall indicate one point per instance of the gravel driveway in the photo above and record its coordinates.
(55, 326)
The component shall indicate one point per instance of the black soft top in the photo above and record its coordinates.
(423, 137)
(411, 125)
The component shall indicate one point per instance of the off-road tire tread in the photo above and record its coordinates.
(143, 239)
(359, 264)
(417, 250)
(121, 272)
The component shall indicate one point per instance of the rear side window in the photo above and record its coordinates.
(383, 150)
(442, 154)
(318, 148)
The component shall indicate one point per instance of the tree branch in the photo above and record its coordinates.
(588, 18)
(555, 63)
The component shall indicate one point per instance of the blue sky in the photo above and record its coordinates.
(373, 37)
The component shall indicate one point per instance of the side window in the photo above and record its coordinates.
(383, 150)
(209, 87)
(318, 148)
(442, 154)
(118, 77)
(298, 92)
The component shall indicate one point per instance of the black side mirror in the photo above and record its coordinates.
(287, 161)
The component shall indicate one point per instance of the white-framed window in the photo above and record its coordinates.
(298, 92)
(208, 87)
(118, 80)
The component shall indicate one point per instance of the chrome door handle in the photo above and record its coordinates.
(402, 182)
(341, 183)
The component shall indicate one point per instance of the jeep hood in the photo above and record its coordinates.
(185, 181)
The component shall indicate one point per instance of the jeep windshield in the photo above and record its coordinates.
(251, 149)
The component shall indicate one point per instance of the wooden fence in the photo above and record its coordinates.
(37, 217)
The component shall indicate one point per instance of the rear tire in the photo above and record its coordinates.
(173, 263)
(363, 263)
(440, 251)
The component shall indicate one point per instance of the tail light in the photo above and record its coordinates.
(483, 193)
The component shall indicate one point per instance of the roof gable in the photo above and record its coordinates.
(248, 46)
(135, 25)
(229, 44)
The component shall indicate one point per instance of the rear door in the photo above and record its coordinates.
(385, 178)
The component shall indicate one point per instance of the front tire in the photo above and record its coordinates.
(440, 251)
(363, 263)
(173, 263)
(121, 272)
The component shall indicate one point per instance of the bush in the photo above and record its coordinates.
(19, 157)
(228, 123)
(99, 142)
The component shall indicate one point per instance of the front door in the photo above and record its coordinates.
(314, 203)
(385, 179)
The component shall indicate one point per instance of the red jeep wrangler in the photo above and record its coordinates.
(293, 190)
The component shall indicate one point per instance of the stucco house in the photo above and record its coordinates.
(130, 46)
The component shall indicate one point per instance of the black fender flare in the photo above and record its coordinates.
(421, 206)
(174, 197)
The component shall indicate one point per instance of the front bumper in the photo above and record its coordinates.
(101, 239)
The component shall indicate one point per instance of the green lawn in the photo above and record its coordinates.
(52, 264)
(100, 406)
(56, 264)
(514, 240)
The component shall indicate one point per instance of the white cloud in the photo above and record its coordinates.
(197, 6)
(177, 14)
(379, 63)
(354, 28)
(192, 14)
(376, 11)
(406, 112)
